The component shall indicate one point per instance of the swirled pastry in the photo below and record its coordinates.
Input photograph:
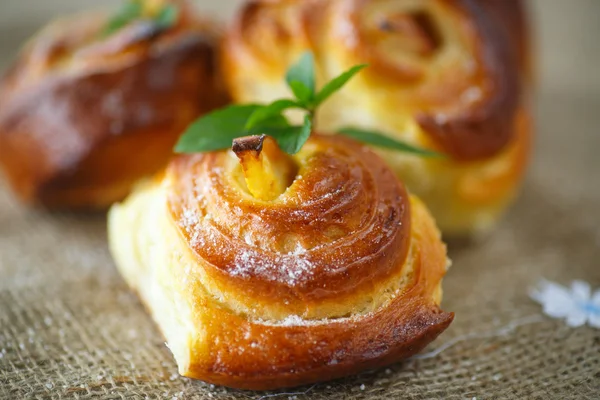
(443, 74)
(85, 114)
(338, 273)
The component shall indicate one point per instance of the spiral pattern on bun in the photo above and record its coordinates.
(443, 74)
(84, 115)
(339, 273)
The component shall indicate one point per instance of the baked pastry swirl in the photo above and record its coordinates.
(443, 74)
(339, 273)
(83, 114)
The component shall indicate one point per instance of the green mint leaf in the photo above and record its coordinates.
(134, 9)
(216, 130)
(167, 16)
(302, 93)
(379, 139)
(274, 122)
(128, 12)
(269, 111)
(337, 83)
(301, 78)
(291, 139)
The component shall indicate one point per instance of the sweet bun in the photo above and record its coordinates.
(449, 75)
(83, 114)
(339, 273)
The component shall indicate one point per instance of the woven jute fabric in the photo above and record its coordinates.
(71, 329)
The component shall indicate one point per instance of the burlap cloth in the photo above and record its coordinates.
(70, 328)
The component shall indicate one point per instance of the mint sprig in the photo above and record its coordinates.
(293, 138)
(216, 130)
(270, 110)
(132, 10)
(301, 78)
(167, 16)
(379, 139)
(337, 83)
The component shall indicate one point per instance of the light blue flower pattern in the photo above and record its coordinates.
(577, 305)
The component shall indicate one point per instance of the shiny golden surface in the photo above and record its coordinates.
(83, 116)
(443, 74)
(339, 273)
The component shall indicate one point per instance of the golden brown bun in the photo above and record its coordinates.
(82, 116)
(340, 273)
(511, 16)
(443, 74)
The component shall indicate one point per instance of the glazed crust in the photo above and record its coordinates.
(434, 84)
(511, 17)
(443, 74)
(82, 116)
(339, 274)
(359, 200)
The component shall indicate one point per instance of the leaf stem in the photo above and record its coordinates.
(311, 115)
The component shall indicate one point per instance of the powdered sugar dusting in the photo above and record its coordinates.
(189, 218)
(291, 269)
(299, 250)
(292, 320)
(296, 320)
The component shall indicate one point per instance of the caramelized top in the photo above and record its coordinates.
(338, 274)
(76, 100)
(449, 65)
(78, 46)
(341, 227)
